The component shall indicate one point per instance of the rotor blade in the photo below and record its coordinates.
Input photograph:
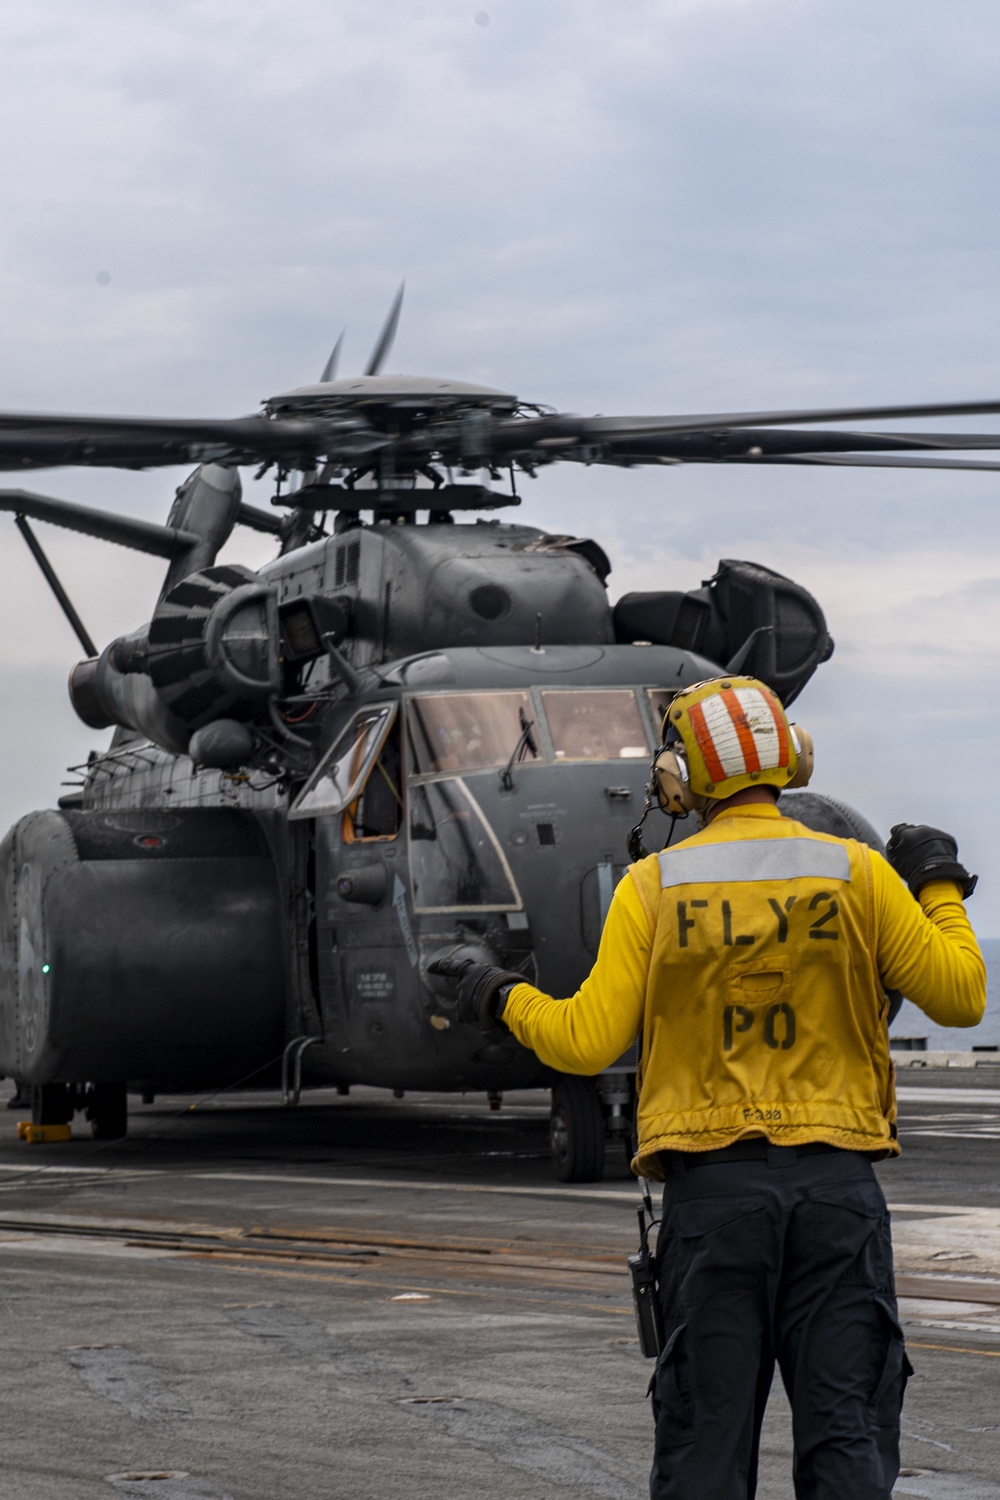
(329, 373)
(706, 447)
(52, 579)
(258, 520)
(521, 434)
(127, 531)
(935, 439)
(693, 447)
(385, 339)
(330, 368)
(40, 442)
(869, 461)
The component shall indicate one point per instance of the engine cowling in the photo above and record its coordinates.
(748, 618)
(213, 652)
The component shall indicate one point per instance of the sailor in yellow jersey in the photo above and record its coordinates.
(753, 959)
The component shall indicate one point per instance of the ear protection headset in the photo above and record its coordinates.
(671, 778)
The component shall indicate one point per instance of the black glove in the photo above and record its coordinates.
(920, 854)
(477, 989)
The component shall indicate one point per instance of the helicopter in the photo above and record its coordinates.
(418, 730)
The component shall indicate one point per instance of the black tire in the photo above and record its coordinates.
(827, 815)
(51, 1104)
(21, 1098)
(576, 1131)
(107, 1109)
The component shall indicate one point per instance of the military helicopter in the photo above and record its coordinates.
(409, 734)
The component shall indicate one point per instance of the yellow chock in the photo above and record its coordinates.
(41, 1135)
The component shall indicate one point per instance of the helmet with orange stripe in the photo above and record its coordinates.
(722, 736)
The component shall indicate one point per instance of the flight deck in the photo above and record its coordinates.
(373, 1297)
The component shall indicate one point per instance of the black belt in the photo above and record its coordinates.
(756, 1149)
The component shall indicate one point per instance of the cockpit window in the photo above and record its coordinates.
(337, 779)
(455, 860)
(595, 724)
(466, 731)
(660, 700)
(377, 810)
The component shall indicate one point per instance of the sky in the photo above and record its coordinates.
(632, 207)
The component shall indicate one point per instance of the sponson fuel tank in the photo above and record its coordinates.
(139, 944)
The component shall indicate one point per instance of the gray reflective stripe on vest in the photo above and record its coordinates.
(754, 859)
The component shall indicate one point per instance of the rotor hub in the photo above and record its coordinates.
(391, 400)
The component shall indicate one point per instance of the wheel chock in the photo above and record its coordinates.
(41, 1135)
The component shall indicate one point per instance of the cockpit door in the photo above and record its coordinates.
(368, 955)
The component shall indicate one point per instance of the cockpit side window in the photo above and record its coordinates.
(377, 811)
(341, 773)
(659, 700)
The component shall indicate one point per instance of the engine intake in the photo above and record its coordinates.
(213, 646)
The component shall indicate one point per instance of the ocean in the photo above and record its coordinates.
(912, 1022)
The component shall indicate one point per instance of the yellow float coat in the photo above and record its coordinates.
(753, 960)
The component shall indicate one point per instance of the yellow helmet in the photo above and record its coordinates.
(722, 736)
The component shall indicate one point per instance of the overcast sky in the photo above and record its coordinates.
(627, 206)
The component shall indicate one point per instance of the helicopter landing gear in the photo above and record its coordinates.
(576, 1130)
(52, 1103)
(106, 1107)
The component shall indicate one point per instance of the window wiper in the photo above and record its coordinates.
(526, 742)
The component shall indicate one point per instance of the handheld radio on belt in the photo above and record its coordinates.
(642, 1275)
(642, 1265)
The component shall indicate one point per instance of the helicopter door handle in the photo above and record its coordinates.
(618, 793)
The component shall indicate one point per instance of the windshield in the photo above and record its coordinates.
(455, 861)
(466, 731)
(338, 777)
(595, 724)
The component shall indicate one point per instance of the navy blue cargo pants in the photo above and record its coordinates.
(771, 1254)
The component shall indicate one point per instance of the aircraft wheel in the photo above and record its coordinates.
(51, 1104)
(576, 1131)
(107, 1109)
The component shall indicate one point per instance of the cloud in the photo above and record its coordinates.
(654, 205)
